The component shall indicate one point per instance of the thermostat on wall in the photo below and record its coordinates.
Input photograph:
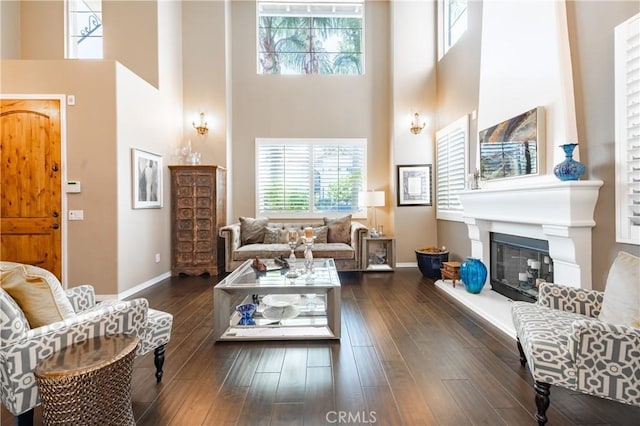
(73, 186)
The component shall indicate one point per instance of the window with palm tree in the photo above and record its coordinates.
(310, 37)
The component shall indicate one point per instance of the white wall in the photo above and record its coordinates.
(413, 90)
(306, 106)
(204, 36)
(149, 119)
(525, 63)
(10, 34)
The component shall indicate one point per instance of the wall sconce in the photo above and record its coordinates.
(416, 126)
(202, 126)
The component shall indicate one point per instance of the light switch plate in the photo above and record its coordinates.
(73, 187)
(76, 214)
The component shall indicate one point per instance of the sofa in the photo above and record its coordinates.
(251, 238)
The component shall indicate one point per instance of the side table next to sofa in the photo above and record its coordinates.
(378, 254)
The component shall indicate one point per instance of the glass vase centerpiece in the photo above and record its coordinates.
(293, 243)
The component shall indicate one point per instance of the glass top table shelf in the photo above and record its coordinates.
(304, 307)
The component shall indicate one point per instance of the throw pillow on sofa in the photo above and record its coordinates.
(621, 300)
(321, 233)
(252, 230)
(38, 293)
(272, 235)
(339, 229)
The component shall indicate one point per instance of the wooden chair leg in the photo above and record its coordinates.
(523, 359)
(542, 401)
(24, 419)
(158, 361)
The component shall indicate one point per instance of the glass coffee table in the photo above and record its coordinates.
(305, 307)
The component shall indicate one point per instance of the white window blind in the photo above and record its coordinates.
(309, 177)
(451, 168)
(627, 133)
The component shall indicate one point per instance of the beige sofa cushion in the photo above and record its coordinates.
(252, 230)
(621, 300)
(38, 293)
(272, 235)
(321, 234)
(339, 229)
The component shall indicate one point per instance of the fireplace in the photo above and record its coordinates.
(518, 265)
(559, 213)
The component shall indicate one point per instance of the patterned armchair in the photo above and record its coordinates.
(23, 347)
(566, 344)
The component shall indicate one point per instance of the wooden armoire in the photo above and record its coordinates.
(198, 211)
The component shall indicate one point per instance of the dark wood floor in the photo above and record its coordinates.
(409, 355)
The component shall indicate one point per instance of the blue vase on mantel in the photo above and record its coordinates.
(569, 169)
(473, 274)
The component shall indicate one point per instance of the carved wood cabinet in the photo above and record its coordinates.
(198, 211)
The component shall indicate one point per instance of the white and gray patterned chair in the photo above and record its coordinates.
(23, 347)
(565, 344)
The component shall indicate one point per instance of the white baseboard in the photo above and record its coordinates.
(134, 290)
(406, 265)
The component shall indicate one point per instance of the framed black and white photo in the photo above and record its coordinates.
(414, 185)
(147, 179)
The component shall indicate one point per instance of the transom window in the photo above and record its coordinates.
(453, 23)
(84, 29)
(309, 177)
(311, 37)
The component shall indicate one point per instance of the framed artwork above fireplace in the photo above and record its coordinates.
(514, 147)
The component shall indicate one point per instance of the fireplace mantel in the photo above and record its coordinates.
(560, 212)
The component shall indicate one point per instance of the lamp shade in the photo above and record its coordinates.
(371, 198)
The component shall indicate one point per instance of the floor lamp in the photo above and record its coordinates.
(372, 199)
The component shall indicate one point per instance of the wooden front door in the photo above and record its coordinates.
(31, 203)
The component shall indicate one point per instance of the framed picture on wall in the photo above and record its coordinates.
(514, 147)
(147, 179)
(414, 185)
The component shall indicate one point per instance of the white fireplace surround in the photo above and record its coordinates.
(558, 212)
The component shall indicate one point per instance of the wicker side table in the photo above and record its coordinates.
(88, 382)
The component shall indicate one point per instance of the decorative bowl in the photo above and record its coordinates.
(281, 300)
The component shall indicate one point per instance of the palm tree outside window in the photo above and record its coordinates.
(310, 37)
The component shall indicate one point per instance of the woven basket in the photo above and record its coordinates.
(99, 394)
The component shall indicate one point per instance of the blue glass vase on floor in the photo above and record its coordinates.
(569, 169)
(473, 274)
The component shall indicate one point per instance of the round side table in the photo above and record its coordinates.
(88, 382)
